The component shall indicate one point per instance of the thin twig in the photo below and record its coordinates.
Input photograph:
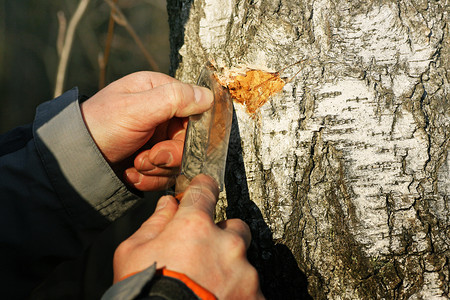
(103, 59)
(68, 41)
(62, 26)
(295, 75)
(120, 19)
(102, 68)
(291, 65)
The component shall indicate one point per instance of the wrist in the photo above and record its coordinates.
(167, 284)
(199, 290)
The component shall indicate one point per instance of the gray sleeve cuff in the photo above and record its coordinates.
(85, 183)
(131, 287)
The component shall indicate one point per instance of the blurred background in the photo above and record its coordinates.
(29, 52)
(29, 56)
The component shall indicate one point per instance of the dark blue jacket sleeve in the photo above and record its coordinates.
(56, 193)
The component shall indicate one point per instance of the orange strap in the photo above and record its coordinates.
(200, 291)
(128, 275)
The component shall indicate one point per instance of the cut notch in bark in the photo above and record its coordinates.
(253, 88)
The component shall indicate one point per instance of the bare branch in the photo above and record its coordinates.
(62, 27)
(103, 59)
(120, 19)
(65, 52)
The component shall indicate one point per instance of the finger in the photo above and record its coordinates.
(201, 195)
(238, 227)
(162, 172)
(171, 130)
(166, 154)
(177, 129)
(144, 182)
(160, 134)
(165, 210)
(142, 81)
(164, 102)
(185, 122)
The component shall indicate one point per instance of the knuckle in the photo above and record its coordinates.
(144, 79)
(198, 225)
(247, 283)
(156, 219)
(147, 78)
(200, 219)
(175, 94)
(124, 249)
(242, 225)
(253, 275)
(235, 245)
(252, 281)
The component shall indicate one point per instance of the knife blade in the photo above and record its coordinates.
(207, 136)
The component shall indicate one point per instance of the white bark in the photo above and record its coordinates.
(348, 165)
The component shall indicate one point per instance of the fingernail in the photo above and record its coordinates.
(133, 177)
(200, 187)
(161, 203)
(210, 183)
(162, 158)
(203, 95)
(191, 196)
(146, 165)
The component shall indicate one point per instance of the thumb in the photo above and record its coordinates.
(174, 99)
(165, 210)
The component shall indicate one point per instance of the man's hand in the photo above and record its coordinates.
(142, 116)
(185, 239)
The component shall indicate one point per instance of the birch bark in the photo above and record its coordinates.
(343, 176)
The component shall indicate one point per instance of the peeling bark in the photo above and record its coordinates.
(343, 177)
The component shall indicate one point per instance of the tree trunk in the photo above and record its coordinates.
(343, 176)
